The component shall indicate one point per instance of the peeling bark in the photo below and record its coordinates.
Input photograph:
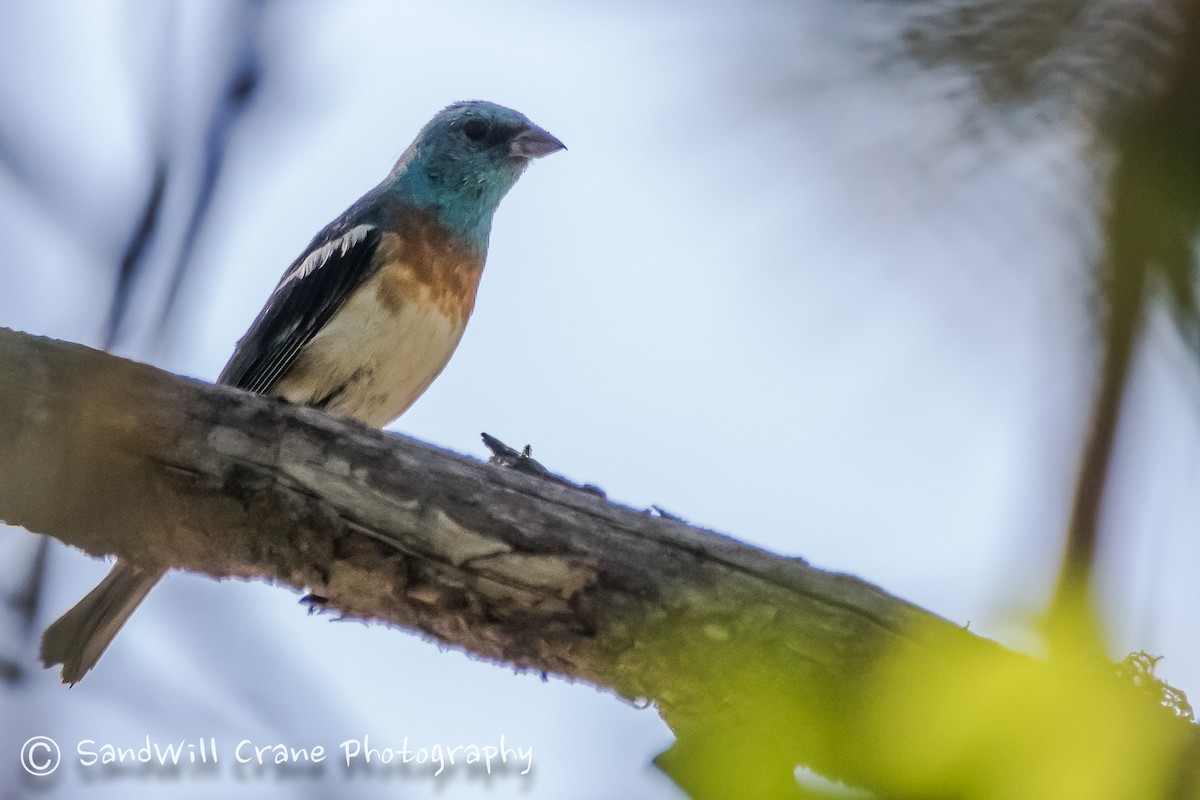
(119, 458)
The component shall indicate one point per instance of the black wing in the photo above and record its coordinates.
(337, 262)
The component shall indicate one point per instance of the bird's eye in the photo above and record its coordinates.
(475, 129)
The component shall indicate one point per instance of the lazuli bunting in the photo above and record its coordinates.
(368, 315)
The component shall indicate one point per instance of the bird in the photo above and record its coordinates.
(364, 319)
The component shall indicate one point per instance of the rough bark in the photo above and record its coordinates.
(116, 457)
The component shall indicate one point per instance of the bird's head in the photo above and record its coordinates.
(465, 160)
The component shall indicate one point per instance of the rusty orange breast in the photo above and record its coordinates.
(419, 258)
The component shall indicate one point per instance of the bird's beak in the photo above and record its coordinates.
(533, 142)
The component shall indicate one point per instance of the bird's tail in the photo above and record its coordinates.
(79, 637)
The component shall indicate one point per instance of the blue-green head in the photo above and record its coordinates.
(464, 161)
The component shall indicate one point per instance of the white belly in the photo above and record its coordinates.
(370, 361)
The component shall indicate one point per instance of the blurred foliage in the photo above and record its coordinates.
(1094, 59)
(234, 66)
(933, 716)
(1020, 728)
(961, 720)
(1152, 221)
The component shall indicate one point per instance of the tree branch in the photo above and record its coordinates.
(120, 458)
